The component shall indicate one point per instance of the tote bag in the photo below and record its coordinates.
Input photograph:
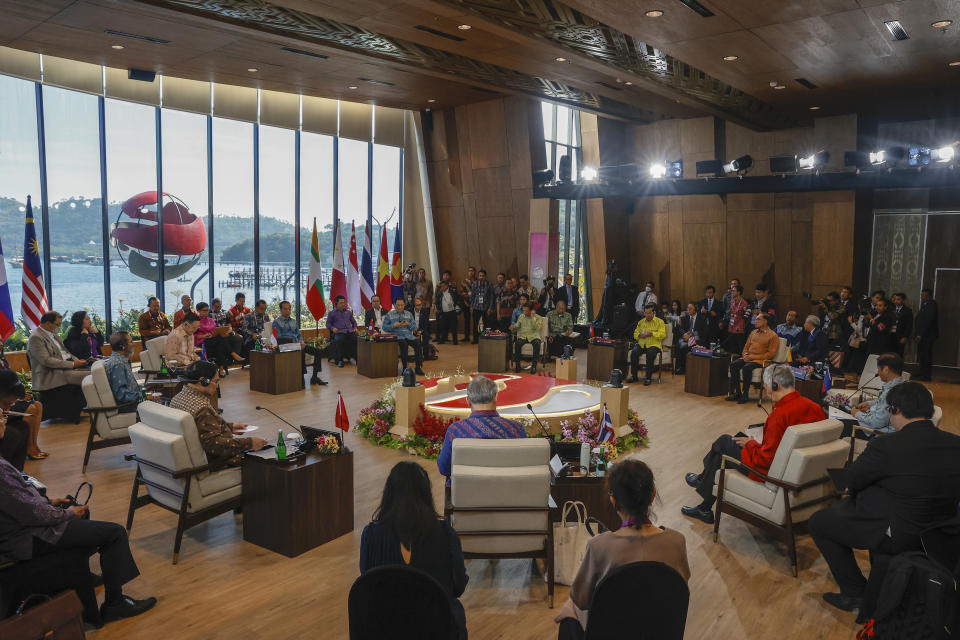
(570, 537)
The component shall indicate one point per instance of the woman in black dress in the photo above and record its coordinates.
(83, 340)
(407, 530)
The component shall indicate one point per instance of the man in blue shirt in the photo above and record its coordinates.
(399, 321)
(123, 384)
(288, 332)
(876, 416)
(790, 330)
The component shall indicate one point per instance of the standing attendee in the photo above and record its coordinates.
(500, 283)
(254, 324)
(83, 340)
(506, 303)
(789, 329)
(903, 324)
(421, 325)
(466, 295)
(123, 383)
(343, 332)
(529, 329)
(55, 372)
(727, 297)
(400, 322)
(901, 485)
(928, 330)
(483, 422)
(849, 306)
(153, 322)
(406, 530)
(835, 322)
(811, 346)
(424, 288)
(186, 306)
(528, 288)
(735, 321)
(20, 441)
(645, 297)
(762, 345)
(238, 312)
(448, 308)
(559, 328)
(288, 332)
(179, 350)
(482, 300)
(763, 303)
(570, 294)
(373, 317)
(648, 336)
(632, 490)
(548, 295)
(712, 311)
(880, 336)
(789, 409)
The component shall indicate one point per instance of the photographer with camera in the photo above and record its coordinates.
(548, 296)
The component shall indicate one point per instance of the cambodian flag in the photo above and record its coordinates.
(607, 434)
(33, 302)
(6, 308)
(827, 380)
(396, 277)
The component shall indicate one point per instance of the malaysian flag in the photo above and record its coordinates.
(33, 303)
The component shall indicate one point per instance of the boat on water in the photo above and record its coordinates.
(16, 262)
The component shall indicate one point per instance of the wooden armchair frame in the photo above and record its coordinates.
(96, 414)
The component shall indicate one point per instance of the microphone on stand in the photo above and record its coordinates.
(543, 428)
(863, 386)
(283, 420)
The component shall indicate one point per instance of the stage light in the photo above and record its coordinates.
(619, 174)
(588, 174)
(783, 164)
(658, 170)
(877, 157)
(943, 154)
(565, 169)
(709, 167)
(922, 156)
(542, 177)
(814, 161)
(741, 164)
(666, 169)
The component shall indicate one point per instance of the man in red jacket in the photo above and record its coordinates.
(789, 408)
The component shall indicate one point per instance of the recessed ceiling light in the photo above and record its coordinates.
(560, 59)
(730, 58)
(431, 100)
(353, 86)
(628, 83)
(619, 81)
(464, 27)
(955, 63)
(252, 69)
(814, 108)
(118, 47)
(780, 86)
(941, 24)
(654, 13)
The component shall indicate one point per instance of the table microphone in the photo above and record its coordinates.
(259, 408)
(543, 428)
(863, 386)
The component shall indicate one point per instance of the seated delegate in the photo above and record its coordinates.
(483, 421)
(285, 326)
(902, 484)
(28, 425)
(217, 437)
(761, 345)
(83, 340)
(56, 373)
(811, 345)
(406, 530)
(632, 490)
(692, 329)
(152, 323)
(789, 408)
(559, 328)
(33, 526)
(529, 330)
(399, 321)
(254, 324)
(789, 330)
(20, 441)
(123, 383)
(649, 336)
(180, 349)
(343, 332)
(875, 415)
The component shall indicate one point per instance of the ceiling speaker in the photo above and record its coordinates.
(142, 75)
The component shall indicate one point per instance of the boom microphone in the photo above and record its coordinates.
(258, 408)
(543, 428)
(863, 386)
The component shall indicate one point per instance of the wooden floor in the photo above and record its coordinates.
(224, 587)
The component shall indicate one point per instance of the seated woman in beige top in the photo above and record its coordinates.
(632, 491)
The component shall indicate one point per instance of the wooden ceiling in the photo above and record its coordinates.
(673, 63)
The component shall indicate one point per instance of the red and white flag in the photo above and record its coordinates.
(353, 274)
(342, 420)
(338, 280)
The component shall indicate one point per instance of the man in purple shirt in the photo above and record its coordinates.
(483, 421)
(343, 332)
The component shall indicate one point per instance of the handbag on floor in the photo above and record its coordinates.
(56, 618)
(570, 540)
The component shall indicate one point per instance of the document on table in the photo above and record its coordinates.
(756, 433)
(838, 414)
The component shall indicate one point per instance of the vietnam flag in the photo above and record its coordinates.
(383, 273)
(342, 420)
(315, 297)
(396, 277)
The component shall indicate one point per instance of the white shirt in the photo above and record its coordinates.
(644, 299)
(446, 301)
(66, 355)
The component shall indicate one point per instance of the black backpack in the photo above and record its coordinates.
(918, 600)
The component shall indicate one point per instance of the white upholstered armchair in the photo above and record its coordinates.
(106, 421)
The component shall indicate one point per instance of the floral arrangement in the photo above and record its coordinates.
(322, 343)
(838, 401)
(327, 444)
(586, 428)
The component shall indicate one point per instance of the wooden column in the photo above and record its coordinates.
(617, 400)
(567, 369)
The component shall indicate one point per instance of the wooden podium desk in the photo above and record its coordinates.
(276, 372)
(604, 358)
(377, 359)
(812, 389)
(292, 507)
(492, 354)
(707, 376)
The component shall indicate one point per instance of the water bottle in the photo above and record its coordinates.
(163, 366)
(585, 456)
(258, 346)
(602, 462)
(481, 325)
(281, 446)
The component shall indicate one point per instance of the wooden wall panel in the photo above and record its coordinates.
(676, 245)
(702, 209)
(462, 136)
(801, 244)
(493, 193)
(751, 249)
(518, 147)
(832, 241)
(488, 141)
(598, 249)
(702, 258)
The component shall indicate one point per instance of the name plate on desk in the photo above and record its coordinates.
(292, 346)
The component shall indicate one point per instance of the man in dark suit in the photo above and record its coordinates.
(570, 294)
(928, 330)
(375, 314)
(903, 326)
(902, 484)
(692, 325)
(421, 323)
(763, 303)
(811, 345)
(880, 338)
(448, 304)
(712, 311)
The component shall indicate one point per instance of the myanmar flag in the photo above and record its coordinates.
(315, 297)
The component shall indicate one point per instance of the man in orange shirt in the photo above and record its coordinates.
(789, 408)
(761, 345)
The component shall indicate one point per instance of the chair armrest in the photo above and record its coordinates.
(867, 430)
(105, 409)
(180, 473)
(790, 486)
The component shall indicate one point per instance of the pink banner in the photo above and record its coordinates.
(539, 257)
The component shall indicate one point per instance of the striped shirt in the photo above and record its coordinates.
(479, 424)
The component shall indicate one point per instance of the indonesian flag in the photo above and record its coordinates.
(396, 277)
(273, 337)
(383, 273)
(607, 434)
(315, 299)
(338, 280)
(342, 420)
(366, 270)
(353, 274)
(6, 308)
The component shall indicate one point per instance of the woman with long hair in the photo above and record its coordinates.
(632, 492)
(83, 340)
(407, 530)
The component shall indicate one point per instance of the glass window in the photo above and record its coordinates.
(19, 177)
(386, 200)
(184, 148)
(233, 208)
(277, 215)
(316, 201)
(72, 128)
(352, 188)
(131, 175)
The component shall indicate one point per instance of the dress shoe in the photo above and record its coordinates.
(743, 400)
(419, 371)
(633, 379)
(127, 608)
(733, 398)
(647, 382)
(340, 364)
(316, 380)
(840, 601)
(693, 479)
(703, 515)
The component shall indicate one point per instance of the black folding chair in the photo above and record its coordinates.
(617, 611)
(400, 602)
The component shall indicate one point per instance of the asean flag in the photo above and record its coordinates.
(315, 297)
(6, 308)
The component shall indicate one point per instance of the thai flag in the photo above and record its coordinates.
(827, 380)
(33, 303)
(367, 286)
(6, 308)
(607, 434)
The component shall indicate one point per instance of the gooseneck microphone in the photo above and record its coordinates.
(283, 420)
(864, 385)
(543, 428)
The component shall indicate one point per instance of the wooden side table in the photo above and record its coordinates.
(603, 358)
(812, 389)
(707, 376)
(492, 355)
(276, 372)
(592, 492)
(377, 359)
